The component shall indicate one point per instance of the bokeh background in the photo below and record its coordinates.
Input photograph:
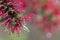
(35, 30)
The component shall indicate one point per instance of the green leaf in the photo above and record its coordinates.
(22, 36)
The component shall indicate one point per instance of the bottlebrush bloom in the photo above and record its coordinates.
(10, 14)
(17, 28)
(28, 17)
(9, 11)
(20, 5)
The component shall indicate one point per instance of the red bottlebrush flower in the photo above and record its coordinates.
(35, 3)
(17, 29)
(20, 5)
(9, 14)
(57, 11)
(7, 22)
(2, 14)
(28, 17)
(6, 1)
(57, 14)
(51, 5)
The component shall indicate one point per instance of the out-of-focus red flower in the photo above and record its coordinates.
(36, 3)
(29, 17)
(48, 25)
(51, 5)
(57, 11)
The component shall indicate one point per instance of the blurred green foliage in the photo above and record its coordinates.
(22, 36)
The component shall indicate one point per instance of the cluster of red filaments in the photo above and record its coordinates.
(10, 14)
(51, 20)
